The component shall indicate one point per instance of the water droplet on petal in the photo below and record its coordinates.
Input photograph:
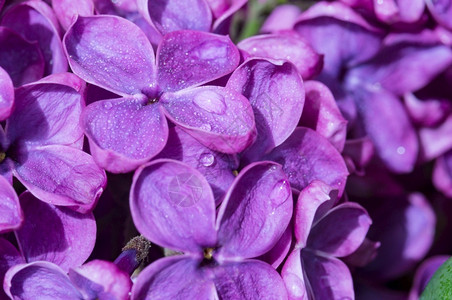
(210, 101)
(108, 105)
(207, 159)
(280, 192)
(206, 127)
(401, 150)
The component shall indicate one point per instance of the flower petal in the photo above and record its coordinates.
(395, 11)
(190, 58)
(46, 114)
(441, 11)
(113, 283)
(171, 278)
(217, 117)
(341, 230)
(6, 95)
(39, 280)
(329, 277)
(255, 212)
(172, 205)
(435, 141)
(276, 93)
(9, 256)
(223, 10)
(251, 279)
(55, 234)
(288, 46)
(61, 175)
(216, 167)
(424, 273)
(36, 21)
(123, 133)
(11, 215)
(66, 11)
(125, 67)
(171, 15)
(21, 59)
(281, 18)
(279, 252)
(306, 156)
(442, 174)
(293, 277)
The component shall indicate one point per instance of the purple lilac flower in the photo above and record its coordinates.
(173, 206)
(6, 95)
(11, 215)
(424, 273)
(126, 132)
(312, 270)
(41, 144)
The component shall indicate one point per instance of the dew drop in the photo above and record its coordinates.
(210, 102)
(108, 105)
(205, 127)
(401, 150)
(280, 191)
(207, 159)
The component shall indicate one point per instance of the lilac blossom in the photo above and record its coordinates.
(173, 206)
(6, 95)
(128, 131)
(11, 215)
(312, 270)
(41, 144)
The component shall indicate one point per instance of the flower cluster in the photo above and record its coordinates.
(224, 149)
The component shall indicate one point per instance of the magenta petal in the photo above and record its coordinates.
(216, 167)
(61, 175)
(176, 277)
(223, 10)
(251, 279)
(123, 133)
(441, 11)
(281, 18)
(6, 95)
(39, 23)
(275, 91)
(21, 59)
(217, 117)
(279, 252)
(125, 67)
(322, 114)
(67, 10)
(190, 58)
(307, 156)
(171, 15)
(388, 126)
(307, 205)
(255, 212)
(288, 46)
(394, 11)
(55, 234)
(39, 280)
(114, 283)
(435, 141)
(442, 174)
(9, 256)
(329, 278)
(46, 114)
(11, 215)
(341, 230)
(293, 277)
(172, 205)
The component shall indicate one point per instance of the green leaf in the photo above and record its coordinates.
(440, 286)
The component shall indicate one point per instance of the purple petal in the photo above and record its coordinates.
(190, 58)
(357, 154)
(340, 231)
(21, 59)
(281, 18)
(61, 175)
(11, 215)
(364, 254)
(435, 141)
(424, 273)
(67, 11)
(216, 167)
(41, 117)
(251, 279)
(171, 15)
(275, 91)
(279, 252)
(39, 23)
(55, 234)
(172, 205)
(114, 283)
(441, 12)
(309, 201)
(288, 46)
(39, 280)
(217, 117)
(307, 156)
(393, 11)
(322, 114)
(350, 38)
(293, 277)
(6, 95)
(124, 133)
(9, 256)
(172, 278)
(442, 174)
(427, 112)
(255, 212)
(406, 63)
(329, 278)
(123, 64)
(388, 126)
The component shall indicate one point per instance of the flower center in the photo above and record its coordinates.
(235, 173)
(208, 253)
(2, 156)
